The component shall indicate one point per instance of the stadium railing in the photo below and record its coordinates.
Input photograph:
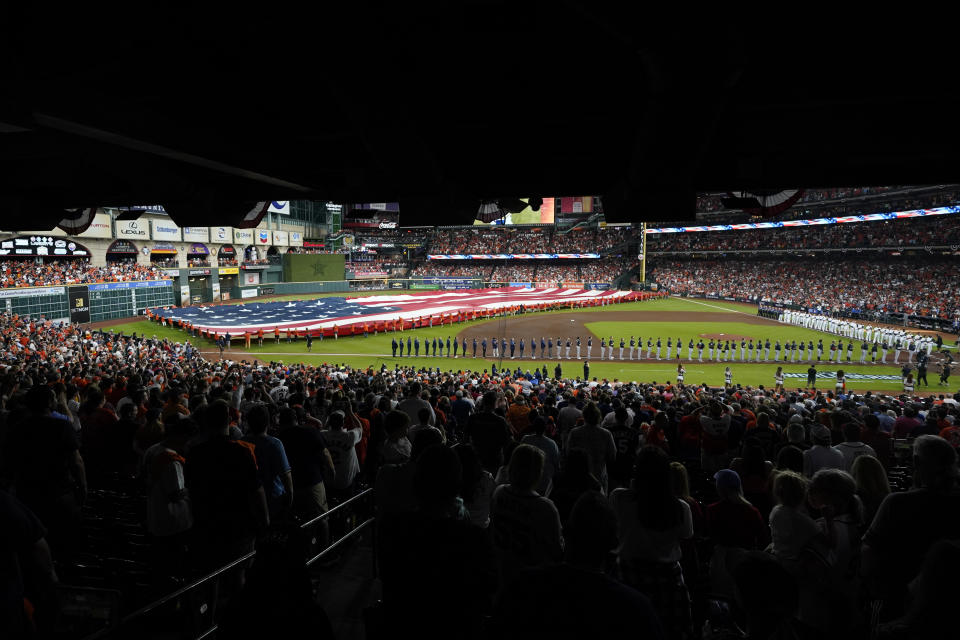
(194, 605)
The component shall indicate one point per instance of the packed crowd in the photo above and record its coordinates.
(197, 261)
(553, 271)
(452, 269)
(30, 273)
(227, 262)
(852, 285)
(395, 236)
(500, 498)
(522, 240)
(902, 234)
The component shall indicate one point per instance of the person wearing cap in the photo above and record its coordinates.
(821, 455)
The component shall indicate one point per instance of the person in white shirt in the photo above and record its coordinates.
(821, 455)
(551, 464)
(342, 445)
(596, 441)
(852, 447)
(791, 528)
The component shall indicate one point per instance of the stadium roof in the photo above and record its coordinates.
(438, 109)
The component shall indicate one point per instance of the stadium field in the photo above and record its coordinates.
(675, 317)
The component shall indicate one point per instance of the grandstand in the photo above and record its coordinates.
(151, 406)
(429, 395)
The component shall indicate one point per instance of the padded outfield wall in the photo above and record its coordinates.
(314, 267)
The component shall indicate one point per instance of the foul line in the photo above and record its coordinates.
(713, 306)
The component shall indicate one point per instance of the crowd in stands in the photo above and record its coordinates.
(227, 262)
(29, 273)
(514, 503)
(452, 269)
(854, 285)
(522, 240)
(396, 236)
(197, 261)
(902, 234)
(164, 261)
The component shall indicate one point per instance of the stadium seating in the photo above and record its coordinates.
(165, 380)
(836, 284)
(27, 273)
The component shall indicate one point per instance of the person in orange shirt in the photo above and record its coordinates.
(276, 334)
(259, 337)
(246, 339)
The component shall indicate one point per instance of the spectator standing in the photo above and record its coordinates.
(652, 524)
(526, 526)
(821, 455)
(272, 464)
(597, 442)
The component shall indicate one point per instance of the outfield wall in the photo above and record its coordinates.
(317, 266)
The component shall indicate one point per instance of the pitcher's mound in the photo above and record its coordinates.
(725, 336)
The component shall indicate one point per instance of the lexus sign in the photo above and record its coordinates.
(132, 229)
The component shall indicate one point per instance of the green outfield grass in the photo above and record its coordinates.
(375, 351)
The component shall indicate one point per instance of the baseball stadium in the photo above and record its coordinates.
(712, 398)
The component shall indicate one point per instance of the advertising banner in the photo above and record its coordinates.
(196, 234)
(396, 285)
(466, 283)
(199, 272)
(185, 294)
(280, 206)
(173, 273)
(370, 274)
(99, 228)
(514, 256)
(248, 293)
(251, 277)
(122, 246)
(296, 239)
(221, 235)
(138, 284)
(165, 230)
(597, 286)
(267, 291)
(519, 284)
(426, 287)
(31, 292)
(42, 246)
(572, 285)
(164, 248)
(243, 236)
(133, 229)
(198, 249)
(79, 301)
(263, 236)
(229, 271)
(215, 287)
(280, 238)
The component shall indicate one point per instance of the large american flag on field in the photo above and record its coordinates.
(378, 312)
